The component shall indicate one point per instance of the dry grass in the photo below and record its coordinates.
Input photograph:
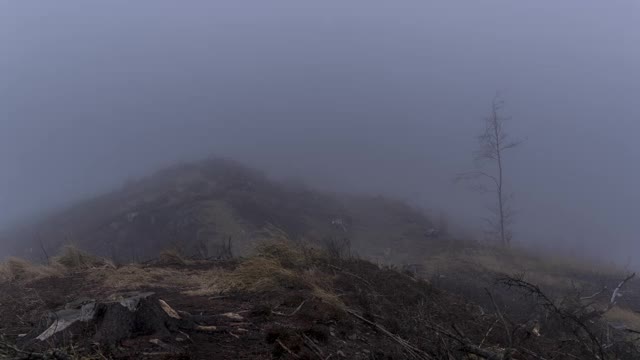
(73, 258)
(550, 271)
(282, 265)
(288, 254)
(16, 269)
(620, 316)
(134, 277)
(276, 267)
(173, 257)
(263, 274)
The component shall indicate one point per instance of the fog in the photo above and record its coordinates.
(363, 96)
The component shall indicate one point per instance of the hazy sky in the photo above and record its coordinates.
(371, 96)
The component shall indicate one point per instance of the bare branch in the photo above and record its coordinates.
(499, 313)
(472, 175)
(565, 315)
(511, 145)
(616, 291)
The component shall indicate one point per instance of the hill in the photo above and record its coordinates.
(202, 209)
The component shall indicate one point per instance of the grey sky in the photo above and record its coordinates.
(371, 96)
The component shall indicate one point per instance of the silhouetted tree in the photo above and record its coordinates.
(494, 142)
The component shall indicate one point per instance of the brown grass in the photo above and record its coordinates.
(280, 265)
(276, 266)
(626, 317)
(16, 269)
(550, 271)
(73, 258)
(173, 257)
(134, 277)
(263, 274)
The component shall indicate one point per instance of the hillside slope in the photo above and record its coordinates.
(202, 208)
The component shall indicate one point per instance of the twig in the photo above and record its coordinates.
(188, 337)
(618, 288)
(352, 274)
(412, 350)
(597, 349)
(21, 354)
(487, 334)
(469, 348)
(293, 313)
(472, 349)
(529, 352)
(312, 345)
(287, 349)
(163, 354)
(499, 313)
(594, 295)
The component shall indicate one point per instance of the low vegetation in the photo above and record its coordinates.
(549, 271)
(301, 301)
(71, 259)
(20, 270)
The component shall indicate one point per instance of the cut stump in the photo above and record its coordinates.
(109, 321)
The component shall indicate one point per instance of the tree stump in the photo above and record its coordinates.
(109, 321)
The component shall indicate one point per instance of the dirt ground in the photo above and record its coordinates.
(284, 323)
(284, 304)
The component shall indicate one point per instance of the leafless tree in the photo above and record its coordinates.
(494, 142)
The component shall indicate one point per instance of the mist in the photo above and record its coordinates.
(357, 96)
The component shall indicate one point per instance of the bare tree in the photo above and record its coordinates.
(489, 158)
